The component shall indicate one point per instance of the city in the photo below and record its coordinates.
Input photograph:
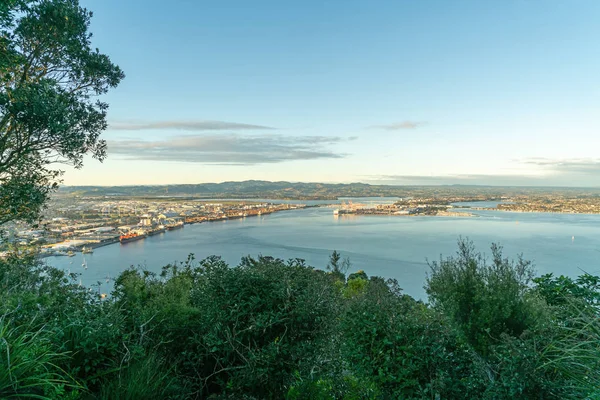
(75, 223)
(92, 223)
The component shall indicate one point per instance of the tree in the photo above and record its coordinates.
(50, 78)
(483, 299)
(338, 267)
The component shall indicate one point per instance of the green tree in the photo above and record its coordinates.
(50, 80)
(483, 299)
(337, 266)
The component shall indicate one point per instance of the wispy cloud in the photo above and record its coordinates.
(571, 177)
(229, 149)
(566, 166)
(397, 126)
(462, 179)
(185, 126)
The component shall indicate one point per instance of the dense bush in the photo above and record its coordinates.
(271, 329)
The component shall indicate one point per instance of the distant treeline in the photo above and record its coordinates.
(308, 191)
(275, 329)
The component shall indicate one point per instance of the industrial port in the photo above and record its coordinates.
(85, 224)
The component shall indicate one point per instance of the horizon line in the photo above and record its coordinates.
(336, 183)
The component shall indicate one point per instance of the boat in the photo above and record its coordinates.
(131, 237)
(176, 225)
(156, 231)
(86, 250)
(70, 253)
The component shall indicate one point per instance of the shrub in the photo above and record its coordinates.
(484, 300)
(403, 347)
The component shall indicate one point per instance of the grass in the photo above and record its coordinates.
(27, 364)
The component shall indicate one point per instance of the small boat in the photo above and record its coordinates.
(87, 250)
(70, 253)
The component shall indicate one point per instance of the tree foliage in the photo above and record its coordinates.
(485, 300)
(270, 329)
(50, 80)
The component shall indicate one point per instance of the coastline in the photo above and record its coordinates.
(112, 240)
(536, 212)
(440, 214)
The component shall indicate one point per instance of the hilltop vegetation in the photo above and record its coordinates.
(266, 328)
(272, 329)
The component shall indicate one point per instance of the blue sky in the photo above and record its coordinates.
(415, 92)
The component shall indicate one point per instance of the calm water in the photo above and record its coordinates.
(396, 247)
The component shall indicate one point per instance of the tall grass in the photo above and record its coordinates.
(575, 350)
(148, 378)
(28, 365)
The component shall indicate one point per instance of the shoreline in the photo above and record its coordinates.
(115, 239)
(536, 212)
(456, 214)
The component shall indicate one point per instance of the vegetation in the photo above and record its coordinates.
(266, 328)
(270, 329)
(49, 80)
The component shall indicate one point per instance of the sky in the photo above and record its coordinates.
(386, 92)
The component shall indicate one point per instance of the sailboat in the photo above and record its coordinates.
(84, 263)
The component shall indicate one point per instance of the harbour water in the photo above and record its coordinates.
(388, 246)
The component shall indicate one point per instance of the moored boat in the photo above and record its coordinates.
(176, 225)
(156, 231)
(131, 237)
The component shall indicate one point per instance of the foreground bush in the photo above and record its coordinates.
(233, 330)
(274, 329)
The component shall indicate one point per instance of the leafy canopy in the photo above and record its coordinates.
(50, 80)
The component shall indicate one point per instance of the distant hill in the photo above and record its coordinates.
(300, 190)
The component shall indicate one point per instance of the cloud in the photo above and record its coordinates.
(397, 126)
(229, 149)
(185, 126)
(566, 166)
(461, 179)
(566, 179)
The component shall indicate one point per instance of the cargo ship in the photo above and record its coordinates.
(156, 231)
(130, 237)
(176, 225)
